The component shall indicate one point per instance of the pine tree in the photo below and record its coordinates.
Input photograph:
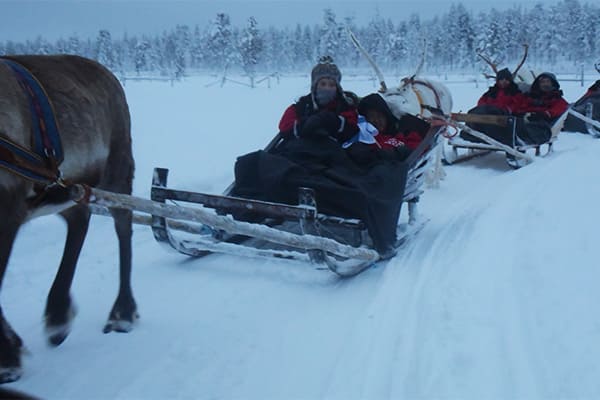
(140, 58)
(250, 48)
(197, 50)
(329, 35)
(220, 43)
(181, 44)
(104, 50)
(73, 45)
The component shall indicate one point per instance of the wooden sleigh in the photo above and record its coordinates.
(198, 224)
(457, 149)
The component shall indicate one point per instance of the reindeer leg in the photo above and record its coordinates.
(124, 312)
(60, 310)
(10, 352)
(10, 343)
(119, 178)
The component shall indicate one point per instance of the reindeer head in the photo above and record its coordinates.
(402, 100)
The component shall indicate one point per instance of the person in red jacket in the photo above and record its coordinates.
(327, 111)
(391, 133)
(383, 136)
(504, 98)
(544, 100)
(541, 107)
(505, 94)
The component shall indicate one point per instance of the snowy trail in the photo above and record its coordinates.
(495, 299)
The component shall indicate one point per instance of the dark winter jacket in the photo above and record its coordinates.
(551, 104)
(508, 99)
(338, 119)
(397, 133)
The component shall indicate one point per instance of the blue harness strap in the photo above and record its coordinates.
(42, 161)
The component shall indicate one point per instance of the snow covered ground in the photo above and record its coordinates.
(496, 299)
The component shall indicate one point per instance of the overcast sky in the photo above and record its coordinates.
(26, 19)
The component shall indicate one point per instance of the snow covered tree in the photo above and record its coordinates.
(298, 48)
(491, 42)
(414, 41)
(377, 40)
(41, 46)
(105, 53)
(397, 47)
(73, 45)
(329, 35)
(573, 26)
(250, 48)
(275, 55)
(140, 58)
(181, 43)
(197, 55)
(462, 33)
(220, 44)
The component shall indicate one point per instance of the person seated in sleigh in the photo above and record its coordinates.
(542, 106)
(326, 111)
(383, 134)
(539, 109)
(311, 154)
(504, 98)
(591, 97)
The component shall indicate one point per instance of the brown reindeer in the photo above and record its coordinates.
(93, 118)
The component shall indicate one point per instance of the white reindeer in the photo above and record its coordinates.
(420, 97)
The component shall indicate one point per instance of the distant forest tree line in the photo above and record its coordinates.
(565, 35)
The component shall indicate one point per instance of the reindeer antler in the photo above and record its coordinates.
(488, 62)
(526, 46)
(357, 44)
(422, 61)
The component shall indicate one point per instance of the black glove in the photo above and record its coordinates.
(321, 124)
(330, 122)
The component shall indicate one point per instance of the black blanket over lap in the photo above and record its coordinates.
(372, 193)
(533, 132)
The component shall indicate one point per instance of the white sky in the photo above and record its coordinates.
(26, 19)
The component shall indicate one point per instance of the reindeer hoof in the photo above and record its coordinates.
(122, 325)
(57, 334)
(10, 374)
